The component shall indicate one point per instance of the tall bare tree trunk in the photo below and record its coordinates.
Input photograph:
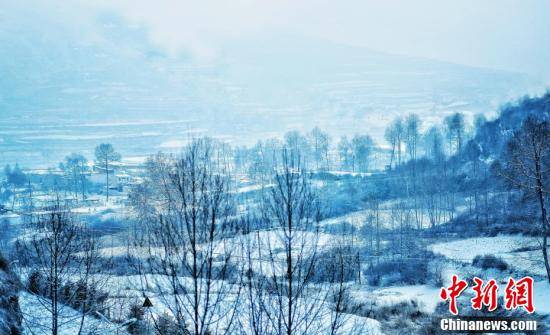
(107, 178)
(540, 194)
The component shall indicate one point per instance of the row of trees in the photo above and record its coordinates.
(405, 137)
(76, 168)
(316, 149)
(350, 154)
(76, 171)
(526, 168)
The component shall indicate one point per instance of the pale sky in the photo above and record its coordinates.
(505, 34)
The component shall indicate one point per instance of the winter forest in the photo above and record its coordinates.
(204, 205)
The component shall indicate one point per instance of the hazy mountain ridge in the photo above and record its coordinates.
(55, 81)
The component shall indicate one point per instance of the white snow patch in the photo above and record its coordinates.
(426, 296)
(505, 246)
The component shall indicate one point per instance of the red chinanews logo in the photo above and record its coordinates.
(516, 294)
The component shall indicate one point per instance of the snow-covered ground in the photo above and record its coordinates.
(37, 319)
(264, 239)
(521, 252)
(386, 218)
(426, 296)
(129, 289)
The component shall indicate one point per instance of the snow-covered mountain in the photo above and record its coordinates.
(63, 90)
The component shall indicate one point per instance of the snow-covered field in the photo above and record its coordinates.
(521, 252)
(260, 244)
(386, 218)
(426, 296)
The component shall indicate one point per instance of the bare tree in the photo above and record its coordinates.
(527, 168)
(320, 142)
(412, 134)
(54, 254)
(394, 134)
(75, 167)
(433, 144)
(390, 135)
(345, 151)
(16, 179)
(297, 144)
(184, 223)
(362, 146)
(343, 267)
(89, 295)
(63, 259)
(105, 155)
(262, 158)
(254, 318)
(292, 209)
(454, 127)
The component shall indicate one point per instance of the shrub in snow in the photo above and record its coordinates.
(335, 265)
(411, 271)
(79, 295)
(490, 262)
(86, 297)
(436, 273)
(139, 325)
(393, 316)
(403, 318)
(4, 264)
(404, 326)
(36, 283)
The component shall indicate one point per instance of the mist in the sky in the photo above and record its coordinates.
(145, 74)
(503, 34)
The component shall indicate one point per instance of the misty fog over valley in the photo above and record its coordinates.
(62, 93)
